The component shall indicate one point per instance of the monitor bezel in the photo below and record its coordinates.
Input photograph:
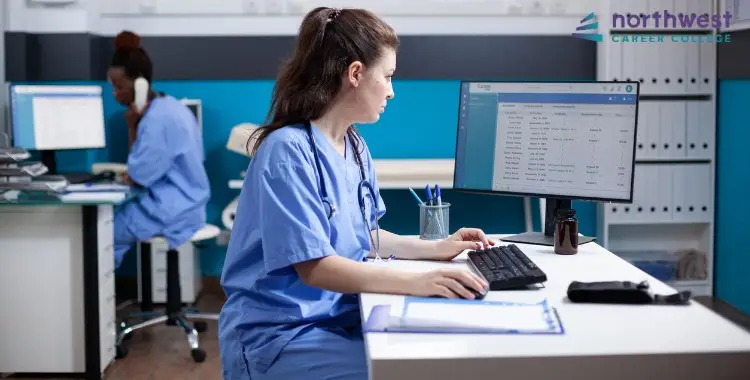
(549, 195)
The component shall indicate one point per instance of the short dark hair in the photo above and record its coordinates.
(131, 56)
(329, 41)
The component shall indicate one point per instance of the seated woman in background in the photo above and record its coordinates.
(165, 158)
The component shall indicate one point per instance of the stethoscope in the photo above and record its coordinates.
(364, 186)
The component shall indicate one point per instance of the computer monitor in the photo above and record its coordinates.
(51, 117)
(560, 141)
(196, 107)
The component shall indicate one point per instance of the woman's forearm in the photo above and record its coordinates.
(403, 247)
(343, 275)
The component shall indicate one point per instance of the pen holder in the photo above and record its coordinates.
(434, 221)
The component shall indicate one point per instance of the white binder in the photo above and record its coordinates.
(692, 59)
(640, 195)
(700, 129)
(680, 190)
(707, 67)
(641, 138)
(653, 120)
(615, 62)
(663, 186)
(698, 194)
(677, 137)
(707, 140)
(666, 121)
(679, 66)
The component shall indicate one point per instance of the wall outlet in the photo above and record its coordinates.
(223, 239)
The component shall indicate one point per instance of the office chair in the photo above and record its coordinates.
(175, 314)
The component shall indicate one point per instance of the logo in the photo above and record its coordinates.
(483, 86)
(589, 29)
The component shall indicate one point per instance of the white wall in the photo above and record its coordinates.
(282, 17)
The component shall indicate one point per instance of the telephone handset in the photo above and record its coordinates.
(141, 93)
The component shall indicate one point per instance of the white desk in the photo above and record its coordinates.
(601, 341)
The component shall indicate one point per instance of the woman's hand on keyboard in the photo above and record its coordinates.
(448, 283)
(463, 239)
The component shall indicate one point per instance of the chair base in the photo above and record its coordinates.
(179, 319)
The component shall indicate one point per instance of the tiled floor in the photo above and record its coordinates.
(162, 353)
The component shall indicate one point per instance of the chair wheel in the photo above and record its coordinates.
(198, 355)
(200, 326)
(121, 351)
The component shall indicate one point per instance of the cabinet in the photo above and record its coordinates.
(57, 289)
(672, 214)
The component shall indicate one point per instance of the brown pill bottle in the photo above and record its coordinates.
(566, 232)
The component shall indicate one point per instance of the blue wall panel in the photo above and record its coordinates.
(732, 259)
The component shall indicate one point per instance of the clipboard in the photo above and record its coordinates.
(382, 320)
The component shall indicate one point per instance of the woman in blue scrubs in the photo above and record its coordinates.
(308, 211)
(165, 159)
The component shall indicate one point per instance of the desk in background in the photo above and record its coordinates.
(601, 342)
(57, 286)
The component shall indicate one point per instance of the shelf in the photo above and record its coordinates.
(402, 174)
(415, 173)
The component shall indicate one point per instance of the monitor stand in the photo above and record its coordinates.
(547, 237)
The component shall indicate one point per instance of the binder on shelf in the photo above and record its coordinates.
(693, 70)
(458, 316)
(707, 66)
(662, 185)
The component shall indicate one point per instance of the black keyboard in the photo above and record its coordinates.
(506, 267)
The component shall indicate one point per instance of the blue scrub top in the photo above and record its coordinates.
(167, 160)
(282, 221)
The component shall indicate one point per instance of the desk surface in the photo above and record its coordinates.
(590, 329)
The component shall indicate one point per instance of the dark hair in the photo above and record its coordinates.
(329, 41)
(131, 57)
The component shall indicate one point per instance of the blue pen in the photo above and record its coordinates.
(429, 194)
(416, 196)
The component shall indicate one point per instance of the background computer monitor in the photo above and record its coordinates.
(49, 118)
(196, 107)
(560, 141)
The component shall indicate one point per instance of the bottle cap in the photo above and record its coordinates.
(566, 213)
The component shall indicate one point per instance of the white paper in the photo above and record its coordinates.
(97, 187)
(484, 316)
(92, 197)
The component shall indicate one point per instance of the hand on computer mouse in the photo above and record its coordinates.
(448, 283)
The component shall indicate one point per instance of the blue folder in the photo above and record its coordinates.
(381, 320)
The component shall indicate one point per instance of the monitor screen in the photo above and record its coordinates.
(49, 117)
(564, 140)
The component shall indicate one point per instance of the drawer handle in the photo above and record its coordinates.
(109, 274)
(161, 270)
(161, 290)
(110, 298)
